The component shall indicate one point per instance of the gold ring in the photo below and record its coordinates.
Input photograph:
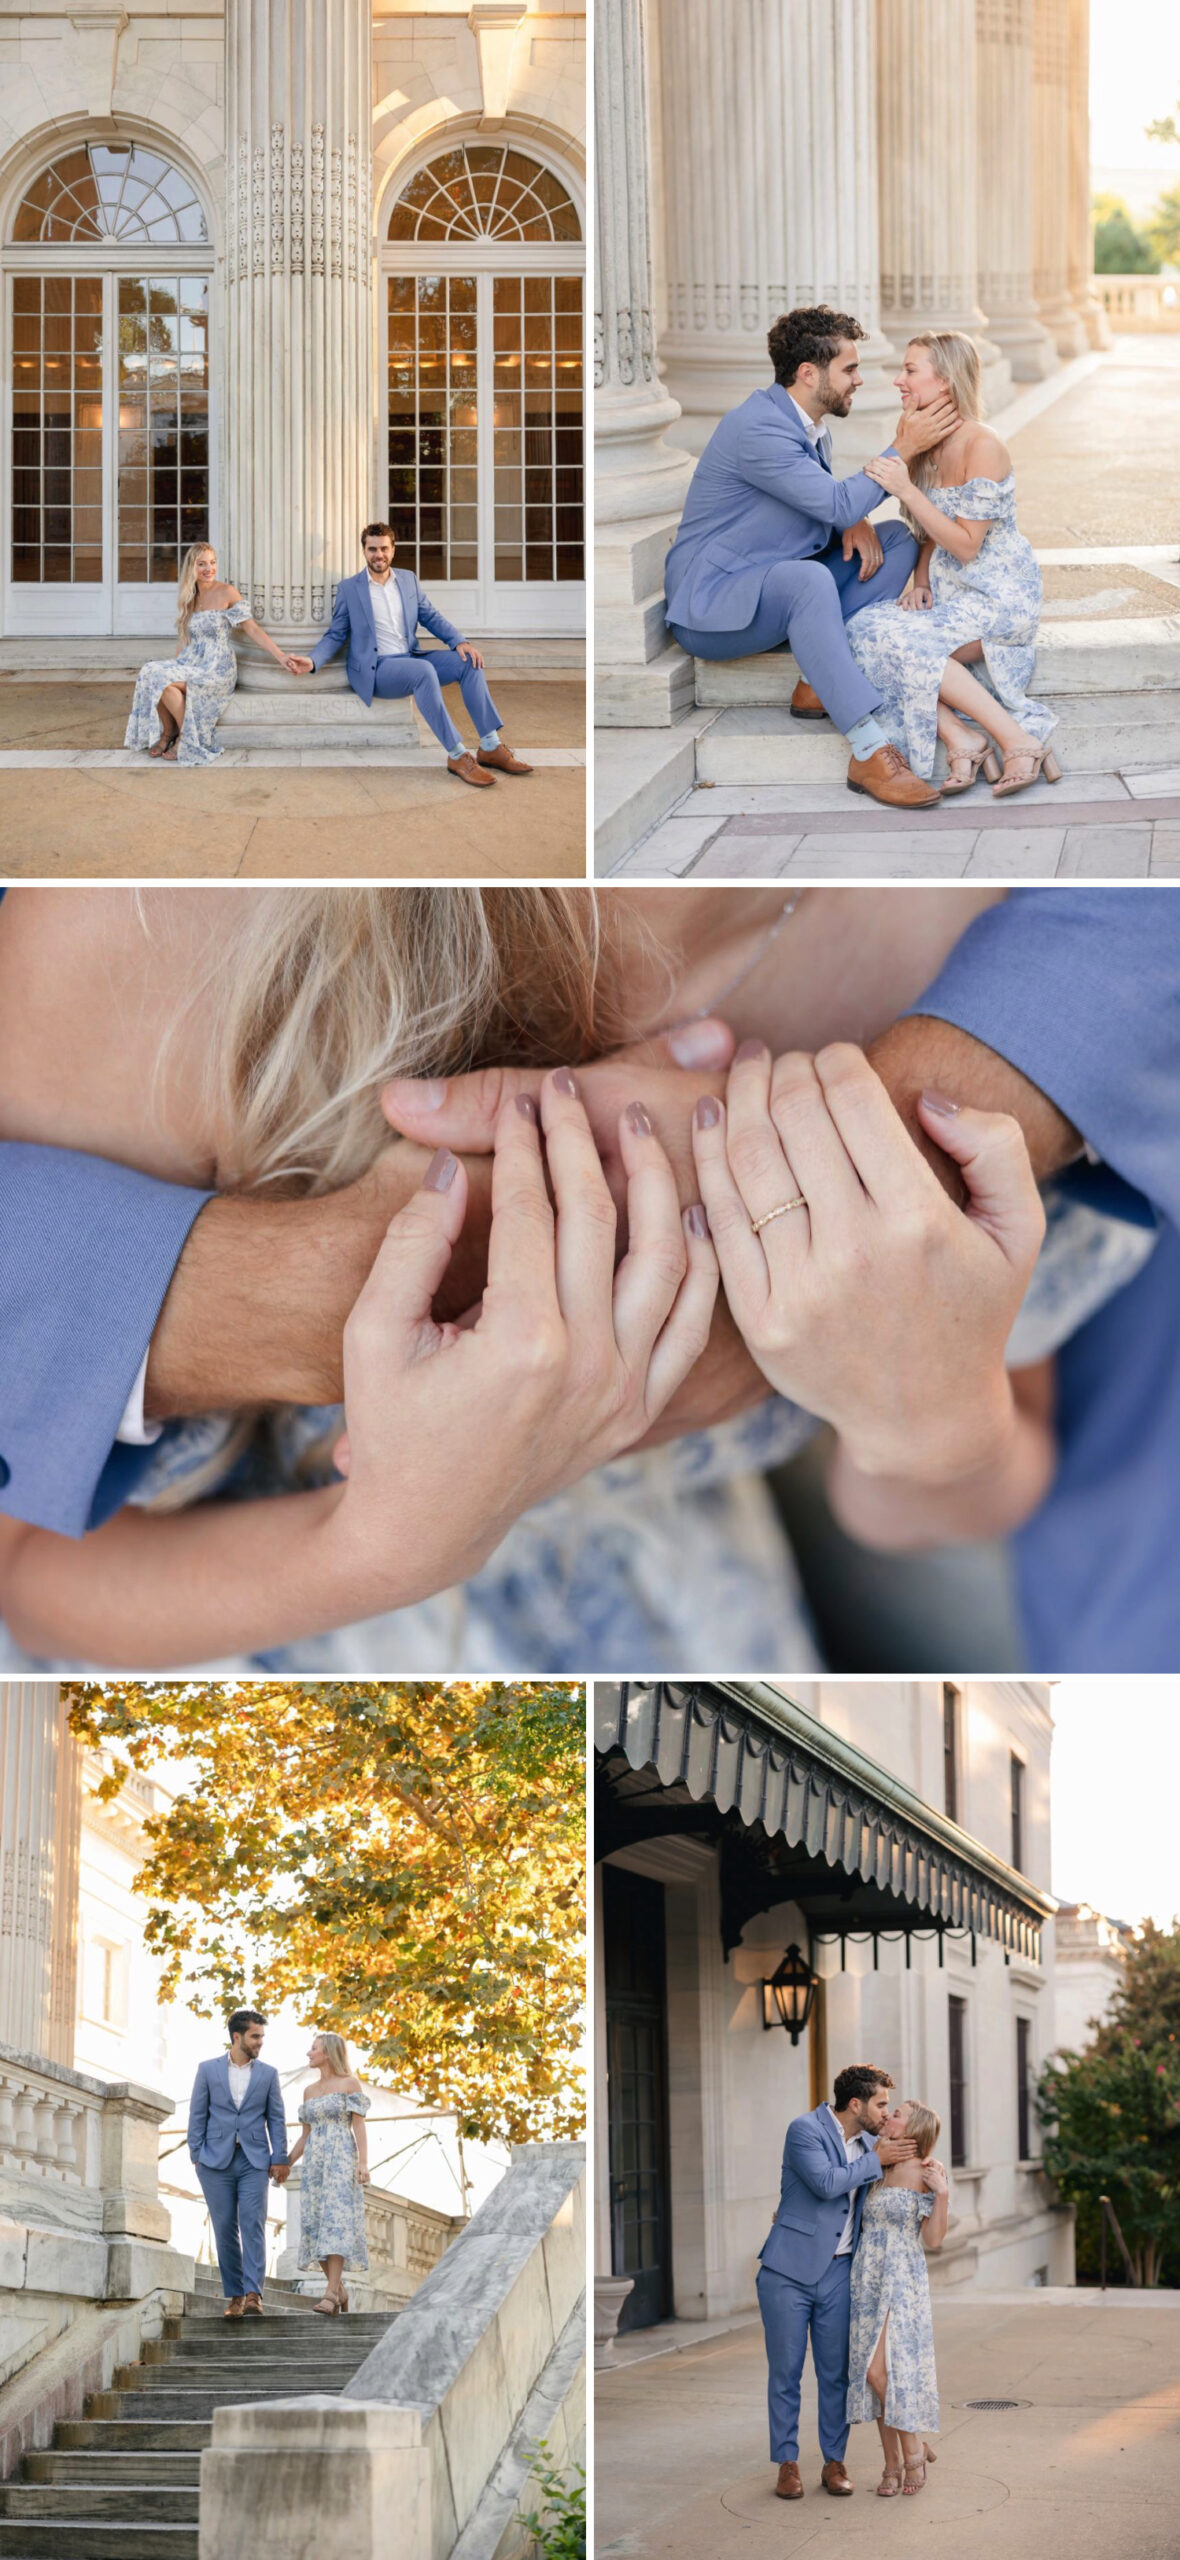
(784, 1205)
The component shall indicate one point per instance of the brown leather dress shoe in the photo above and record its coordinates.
(835, 2480)
(788, 2483)
(805, 702)
(233, 2308)
(503, 759)
(465, 769)
(885, 776)
(252, 2303)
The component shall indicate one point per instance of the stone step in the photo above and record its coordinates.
(196, 2404)
(317, 2336)
(157, 2434)
(1093, 735)
(77, 2501)
(166, 2470)
(1092, 658)
(51, 2538)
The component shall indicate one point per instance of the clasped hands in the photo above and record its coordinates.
(280, 2171)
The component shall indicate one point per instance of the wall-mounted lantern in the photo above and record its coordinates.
(788, 1997)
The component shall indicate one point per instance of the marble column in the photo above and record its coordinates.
(640, 480)
(929, 214)
(1081, 223)
(298, 427)
(40, 1826)
(1003, 79)
(1052, 221)
(768, 120)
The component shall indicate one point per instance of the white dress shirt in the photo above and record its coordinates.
(133, 1429)
(854, 2145)
(389, 621)
(239, 2081)
(813, 427)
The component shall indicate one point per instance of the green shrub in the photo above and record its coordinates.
(559, 2529)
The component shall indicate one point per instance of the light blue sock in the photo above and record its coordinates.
(492, 739)
(865, 736)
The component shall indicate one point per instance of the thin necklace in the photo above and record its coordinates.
(701, 1012)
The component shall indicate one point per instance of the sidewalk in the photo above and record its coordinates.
(1088, 2468)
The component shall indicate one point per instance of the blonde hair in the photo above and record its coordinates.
(337, 2052)
(188, 590)
(320, 995)
(922, 2126)
(956, 361)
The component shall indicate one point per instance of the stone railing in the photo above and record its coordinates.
(1140, 302)
(79, 2160)
(405, 2241)
(428, 2453)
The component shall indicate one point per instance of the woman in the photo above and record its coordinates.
(497, 1508)
(179, 701)
(975, 594)
(333, 2147)
(891, 2374)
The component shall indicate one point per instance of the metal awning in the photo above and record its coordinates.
(799, 1815)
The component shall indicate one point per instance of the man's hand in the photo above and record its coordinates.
(889, 2152)
(467, 649)
(924, 1054)
(864, 539)
(919, 430)
(279, 2172)
(299, 666)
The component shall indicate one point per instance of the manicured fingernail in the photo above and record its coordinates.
(699, 1044)
(707, 1113)
(563, 1082)
(941, 1102)
(637, 1119)
(749, 1049)
(526, 1106)
(416, 1093)
(441, 1171)
(695, 1220)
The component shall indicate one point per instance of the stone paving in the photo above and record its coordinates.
(1088, 2468)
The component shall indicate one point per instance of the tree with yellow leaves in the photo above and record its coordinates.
(404, 1860)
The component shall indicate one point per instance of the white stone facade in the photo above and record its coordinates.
(734, 2086)
(1091, 1957)
(296, 126)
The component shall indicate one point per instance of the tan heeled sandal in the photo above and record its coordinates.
(910, 2485)
(890, 2484)
(1039, 760)
(331, 2306)
(962, 767)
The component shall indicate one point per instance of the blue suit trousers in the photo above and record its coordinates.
(425, 677)
(804, 607)
(789, 2311)
(236, 2198)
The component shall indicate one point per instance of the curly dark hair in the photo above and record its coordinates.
(859, 2081)
(814, 336)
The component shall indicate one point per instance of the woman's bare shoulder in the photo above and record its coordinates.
(986, 457)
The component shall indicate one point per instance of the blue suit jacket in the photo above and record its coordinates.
(757, 496)
(215, 2125)
(818, 2179)
(353, 621)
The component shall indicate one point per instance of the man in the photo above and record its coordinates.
(379, 612)
(237, 2137)
(767, 551)
(830, 2157)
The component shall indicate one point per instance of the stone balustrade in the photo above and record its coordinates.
(80, 2206)
(1139, 302)
(405, 2241)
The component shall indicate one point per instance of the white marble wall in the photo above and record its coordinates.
(40, 1814)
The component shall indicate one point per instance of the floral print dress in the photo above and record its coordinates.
(331, 2199)
(889, 2281)
(995, 598)
(207, 668)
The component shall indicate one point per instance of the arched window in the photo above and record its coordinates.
(485, 191)
(484, 343)
(108, 259)
(110, 191)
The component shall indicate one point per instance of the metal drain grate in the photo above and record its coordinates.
(993, 2404)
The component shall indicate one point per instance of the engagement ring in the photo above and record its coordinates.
(797, 1203)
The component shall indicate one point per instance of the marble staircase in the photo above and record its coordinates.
(124, 2479)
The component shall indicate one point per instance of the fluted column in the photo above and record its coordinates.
(1081, 227)
(1052, 224)
(1003, 71)
(929, 225)
(770, 154)
(640, 481)
(299, 411)
(40, 1819)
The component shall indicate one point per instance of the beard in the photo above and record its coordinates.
(837, 403)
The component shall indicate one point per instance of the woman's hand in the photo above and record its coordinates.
(878, 1305)
(890, 473)
(917, 600)
(936, 2181)
(454, 1430)
(362, 2177)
